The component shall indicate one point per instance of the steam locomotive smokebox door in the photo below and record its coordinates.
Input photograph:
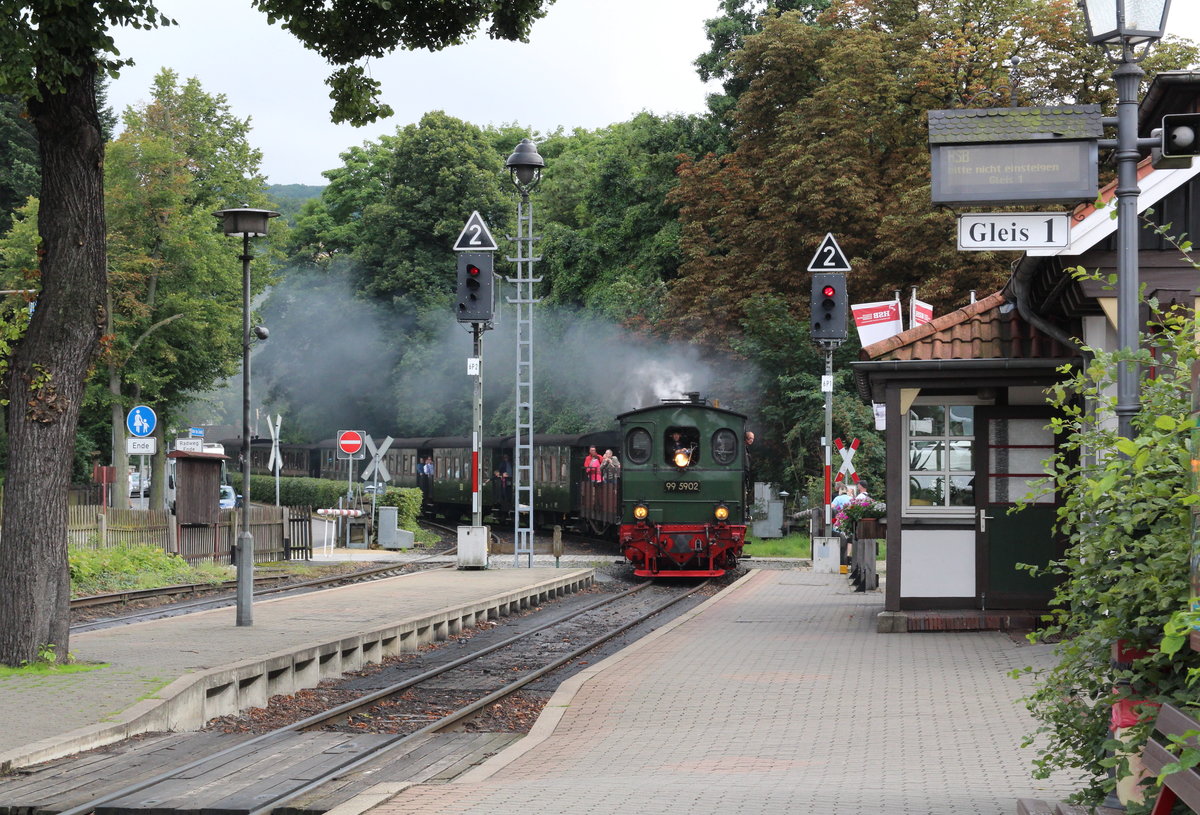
(472, 547)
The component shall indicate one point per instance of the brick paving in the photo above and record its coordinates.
(776, 696)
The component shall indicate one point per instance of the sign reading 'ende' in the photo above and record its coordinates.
(1001, 173)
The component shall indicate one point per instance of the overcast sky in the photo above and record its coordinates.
(589, 63)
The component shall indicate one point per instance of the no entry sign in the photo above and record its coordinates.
(350, 444)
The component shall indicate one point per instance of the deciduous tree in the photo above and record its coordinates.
(830, 137)
(174, 308)
(54, 52)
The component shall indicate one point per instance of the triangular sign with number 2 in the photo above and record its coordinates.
(475, 236)
(829, 257)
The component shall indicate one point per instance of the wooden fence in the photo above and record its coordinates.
(280, 533)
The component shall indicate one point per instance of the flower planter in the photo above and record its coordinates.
(871, 528)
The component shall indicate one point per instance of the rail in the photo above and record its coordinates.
(278, 793)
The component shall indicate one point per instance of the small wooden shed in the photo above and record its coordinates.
(197, 487)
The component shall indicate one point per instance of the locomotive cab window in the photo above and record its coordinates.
(681, 446)
(724, 446)
(637, 446)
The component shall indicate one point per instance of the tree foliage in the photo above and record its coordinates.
(610, 223)
(830, 136)
(19, 166)
(1124, 572)
(727, 35)
(175, 287)
(346, 31)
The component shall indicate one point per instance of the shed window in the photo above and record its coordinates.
(940, 446)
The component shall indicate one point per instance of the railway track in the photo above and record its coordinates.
(412, 724)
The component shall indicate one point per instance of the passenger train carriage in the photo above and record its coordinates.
(559, 489)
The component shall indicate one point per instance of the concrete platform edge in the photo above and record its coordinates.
(191, 700)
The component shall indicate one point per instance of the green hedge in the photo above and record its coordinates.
(318, 493)
(408, 499)
(322, 493)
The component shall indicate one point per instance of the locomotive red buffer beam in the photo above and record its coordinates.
(682, 550)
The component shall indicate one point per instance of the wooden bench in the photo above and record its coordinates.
(1183, 785)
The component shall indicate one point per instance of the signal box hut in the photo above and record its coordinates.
(965, 432)
(966, 416)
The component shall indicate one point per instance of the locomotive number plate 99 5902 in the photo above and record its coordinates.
(681, 486)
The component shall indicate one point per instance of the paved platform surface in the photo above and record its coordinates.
(777, 696)
(142, 659)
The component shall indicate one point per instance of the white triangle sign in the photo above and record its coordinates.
(829, 257)
(475, 236)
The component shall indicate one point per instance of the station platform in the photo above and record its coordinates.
(178, 672)
(776, 696)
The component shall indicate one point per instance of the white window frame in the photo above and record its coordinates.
(956, 512)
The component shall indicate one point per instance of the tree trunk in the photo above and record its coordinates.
(48, 372)
(120, 462)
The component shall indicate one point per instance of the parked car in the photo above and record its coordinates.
(137, 487)
(229, 498)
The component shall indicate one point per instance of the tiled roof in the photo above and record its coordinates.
(990, 328)
(974, 125)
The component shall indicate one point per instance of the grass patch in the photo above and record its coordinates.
(426, 538)
(797, 544)
(101, 571)
(49, 669)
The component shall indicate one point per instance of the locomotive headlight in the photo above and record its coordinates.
(682, 458)
(640, 512)
(721, 513)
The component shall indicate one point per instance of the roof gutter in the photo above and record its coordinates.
(1017, 291)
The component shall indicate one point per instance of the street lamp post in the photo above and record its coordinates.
(246, 223)
(1121, 27)
(525, 165)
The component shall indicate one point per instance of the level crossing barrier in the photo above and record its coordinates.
(336, 513)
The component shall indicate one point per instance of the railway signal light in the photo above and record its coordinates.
(475, 296)
(1181, 135)
(829, 306)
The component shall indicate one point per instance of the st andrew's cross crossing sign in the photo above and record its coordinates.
(847, 453)
(350, 444)
(377, 470)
